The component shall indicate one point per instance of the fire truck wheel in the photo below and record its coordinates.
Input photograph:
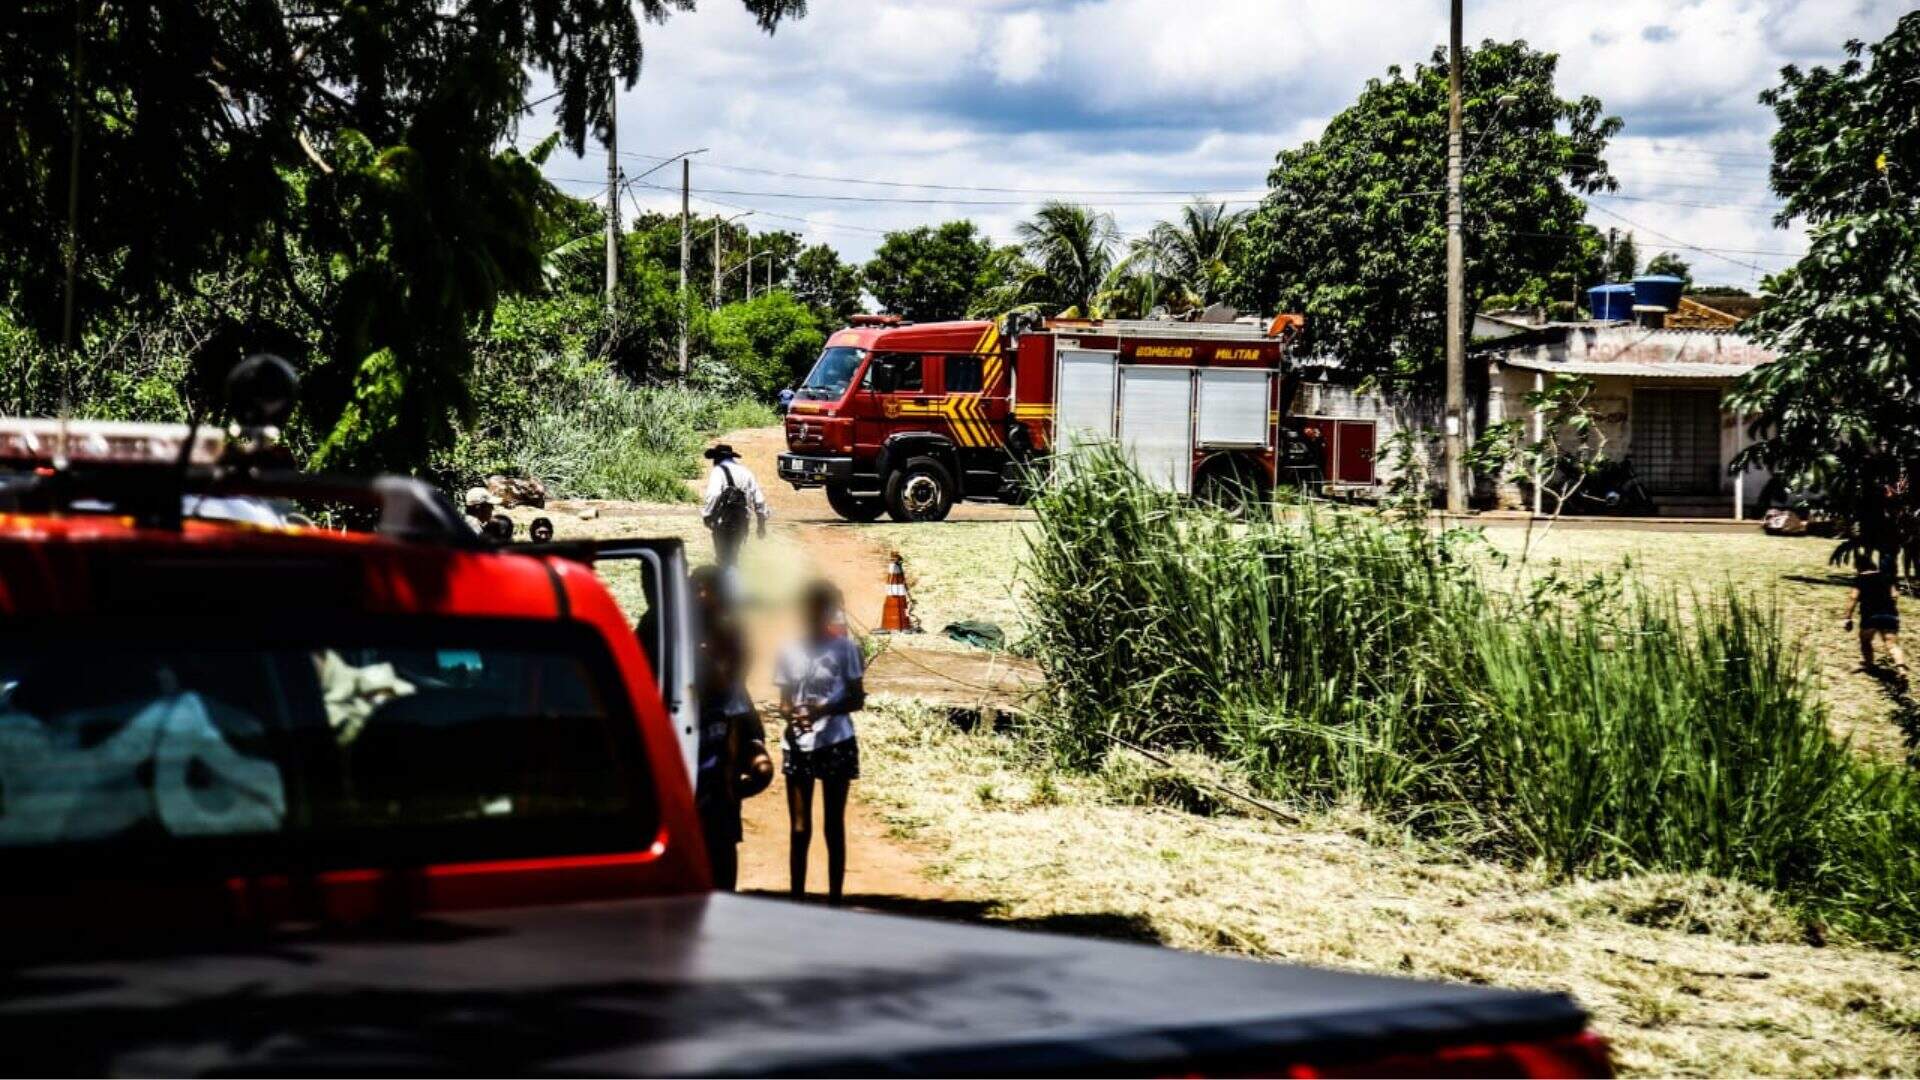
(920, 490)
(860, 508)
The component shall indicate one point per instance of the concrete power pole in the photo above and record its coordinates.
(686, 181)
(613, 199)
(1456, 418)
(718, 231)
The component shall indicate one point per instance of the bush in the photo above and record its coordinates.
(1345, 656)
(546, 405)
(771, 340)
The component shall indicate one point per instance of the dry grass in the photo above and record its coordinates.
(962, 570)
(1792, 570)
(1686, 975)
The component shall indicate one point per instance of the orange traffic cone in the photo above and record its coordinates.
(894, 615)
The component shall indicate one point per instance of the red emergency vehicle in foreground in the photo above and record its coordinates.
(278, 799)
(906, 419)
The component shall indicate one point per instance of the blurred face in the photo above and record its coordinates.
(541, 532)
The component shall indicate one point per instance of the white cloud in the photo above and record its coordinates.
(1023, 47)
(1146, 95)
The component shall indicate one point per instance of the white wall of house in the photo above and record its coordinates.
(1682, 478)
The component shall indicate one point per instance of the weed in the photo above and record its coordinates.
(1334, 656)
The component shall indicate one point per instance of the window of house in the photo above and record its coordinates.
(965, 374)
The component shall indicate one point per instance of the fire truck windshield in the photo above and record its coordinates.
(832, 373)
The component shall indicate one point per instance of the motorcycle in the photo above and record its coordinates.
(1610, 487)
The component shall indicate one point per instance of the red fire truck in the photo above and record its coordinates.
(905, 419)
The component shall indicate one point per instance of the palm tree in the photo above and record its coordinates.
(1191, 255)
(1070, 250)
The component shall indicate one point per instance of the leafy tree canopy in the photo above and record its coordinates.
(1070, 253)
(771, 339)
(827, 285)
(1191, 256)
(931, 272)
(1623, 258)
(1672, 265)
(1353, 228)
(344, 150)
(1839, 410)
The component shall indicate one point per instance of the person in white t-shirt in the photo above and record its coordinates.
(820, 680)
(734, 501)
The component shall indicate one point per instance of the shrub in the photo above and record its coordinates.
(1347, 656)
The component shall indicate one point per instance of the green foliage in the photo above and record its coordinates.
(548, 404)
(343, 149)
(932, 272)
(1070, 257)
(1338, 656)
(1191, 257)
(1623, 258)
(1672, 265)
(827, 285)
(1352, 231)
(771, 340)
(1839, 410)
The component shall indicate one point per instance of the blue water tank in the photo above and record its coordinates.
(1611, 303)
(1657, 290)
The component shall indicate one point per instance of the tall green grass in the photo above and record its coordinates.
(599, 435)
(1342, 655)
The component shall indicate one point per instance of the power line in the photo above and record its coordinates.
(1677, 242)
(961, 187)
(914, 201)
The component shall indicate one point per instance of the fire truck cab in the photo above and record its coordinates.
(906, 419)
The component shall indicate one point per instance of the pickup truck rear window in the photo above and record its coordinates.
(192, 744)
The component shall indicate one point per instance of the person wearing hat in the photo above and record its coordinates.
(733, 498)
(480, 504)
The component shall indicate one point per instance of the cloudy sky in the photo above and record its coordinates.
(871, 115)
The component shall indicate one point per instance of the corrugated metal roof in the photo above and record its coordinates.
(1646, 369)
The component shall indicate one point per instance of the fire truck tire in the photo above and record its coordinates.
(857, 508)
(920, 490)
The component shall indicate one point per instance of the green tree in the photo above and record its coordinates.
(1070, 252)
(931, 272)
(827, 285)
(1623, 257)
(344, 151)
(1839, 410)
(1193, 254)
(1672, 265)
(771, 339)
(1353, 233)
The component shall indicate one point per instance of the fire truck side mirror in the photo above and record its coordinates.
(882, 376)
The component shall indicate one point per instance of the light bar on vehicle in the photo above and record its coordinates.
(103, 442)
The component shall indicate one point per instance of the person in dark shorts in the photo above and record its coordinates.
(732, 761)
(820, 680)
(1873, 594)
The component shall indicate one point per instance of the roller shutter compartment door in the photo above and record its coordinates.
(1676, 440)
(1156, 424)
(1083, 404)
(1234, 407)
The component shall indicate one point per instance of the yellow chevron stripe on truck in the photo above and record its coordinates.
(966, 414)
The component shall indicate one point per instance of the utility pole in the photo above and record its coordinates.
(718, 231)
(1456, 420)
(747, 278)
(686, 181)
(613, 197)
